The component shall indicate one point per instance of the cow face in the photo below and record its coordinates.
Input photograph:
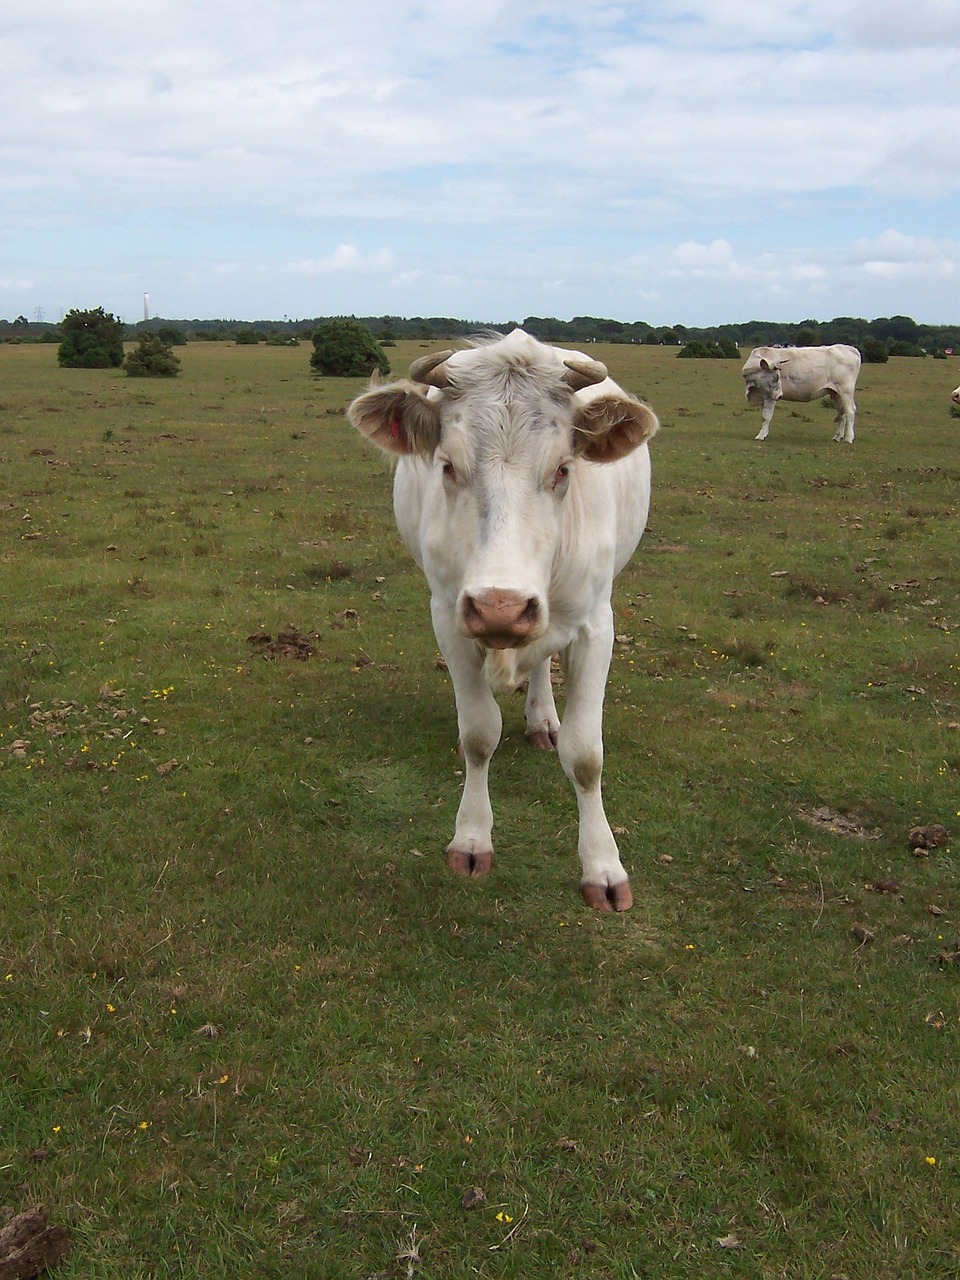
(497, 446)
(763, 381)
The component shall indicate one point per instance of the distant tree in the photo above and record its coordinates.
(896, 328)
(345, 348)
(670, 338)
(91, 340)
(808, 335)
(172, 336)
(387, 336)
(874, 351)
(283, 340)
(152, 358)
(248, 337)
(901, 348)
(725, 349)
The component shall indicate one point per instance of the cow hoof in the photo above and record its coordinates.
(469, 864)
(608, 897)
(543, 740)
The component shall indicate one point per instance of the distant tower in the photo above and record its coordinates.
(146, 306)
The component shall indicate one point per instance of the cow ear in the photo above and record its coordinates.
(398, 418)
(610, 427)
(765, 364)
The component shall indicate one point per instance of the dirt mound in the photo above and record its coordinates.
(290, 644)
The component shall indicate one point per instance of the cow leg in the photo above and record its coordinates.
(543, 723)
(766, 414)
(604, 882)
(847, 415)
(840, 415)
(470, 852)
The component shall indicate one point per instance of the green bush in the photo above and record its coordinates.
(346, 348)
(874, 351)
(172, 336)
(901, 348)
(152, 358)
(724, 349)
(91, 340)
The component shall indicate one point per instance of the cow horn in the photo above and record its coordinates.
(430, 371)
(583, 373)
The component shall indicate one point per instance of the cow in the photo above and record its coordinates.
(955, 397)
(803, 373)
(521, 490)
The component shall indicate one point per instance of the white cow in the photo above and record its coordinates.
(521, 491)
(803, 373)
(955, 397)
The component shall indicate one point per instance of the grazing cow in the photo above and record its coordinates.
(955, 397)
(803, 373)
(522, 489)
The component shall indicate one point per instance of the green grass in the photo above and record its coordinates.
(253, 1026)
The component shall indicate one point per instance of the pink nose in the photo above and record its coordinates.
(500, 619)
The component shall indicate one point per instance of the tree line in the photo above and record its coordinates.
(888, 335)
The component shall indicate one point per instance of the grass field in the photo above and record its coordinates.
(252, 1025)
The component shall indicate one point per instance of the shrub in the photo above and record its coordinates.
(172, 336)
(91, 340)
(874, 351)
(152, 358)
(248, 337)
(725, 349)
(901, 348)
(346, 348)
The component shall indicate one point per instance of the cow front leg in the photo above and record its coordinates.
(766, 416)
(543, 723)
(604, 882)
(470, 852)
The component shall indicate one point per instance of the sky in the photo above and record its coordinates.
(699, 162)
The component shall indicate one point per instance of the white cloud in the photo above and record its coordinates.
(346, 257)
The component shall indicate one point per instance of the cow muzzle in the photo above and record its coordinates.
(501, 619)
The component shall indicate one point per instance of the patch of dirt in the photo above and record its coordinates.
(291, 644)
(838, 824)
(29, 1245)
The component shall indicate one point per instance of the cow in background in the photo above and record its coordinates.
(803, 373)
(521, 490)
(955, 397)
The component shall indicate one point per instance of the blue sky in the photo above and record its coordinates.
(695, 162)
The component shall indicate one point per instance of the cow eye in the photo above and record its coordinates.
(449, 471)
(561, 474)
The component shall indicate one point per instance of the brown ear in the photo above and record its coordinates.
(610, 427)
(398, 418)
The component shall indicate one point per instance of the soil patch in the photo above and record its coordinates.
(838, 824)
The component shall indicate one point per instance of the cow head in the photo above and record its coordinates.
(762, 376)
(502, 430)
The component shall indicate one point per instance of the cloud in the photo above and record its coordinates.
(346, 257)
(894, 255)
